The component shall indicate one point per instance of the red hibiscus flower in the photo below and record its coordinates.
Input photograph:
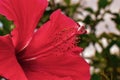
(50, 53)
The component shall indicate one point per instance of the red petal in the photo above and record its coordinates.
(57, 67)
(60, 32)
(40, 75)
(25, 15)
(9, 67)
(53, 50)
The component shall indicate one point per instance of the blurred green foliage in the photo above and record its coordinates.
(106, 64)
(7, 26)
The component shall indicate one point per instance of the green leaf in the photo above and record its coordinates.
(84, 40)
(88, 19)
(95, 77)
(67, 2)
(113, 60)
(89, 10)
(118, 27)
(103, 3)
(6, 25)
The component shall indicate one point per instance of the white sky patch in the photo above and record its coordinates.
(91, 3)
(1, 25)
(89, 51)
(111, 27)
(114, 50)
(57, 1)
(104, 42)
(115, 6)
(75, 1)
(100, 28)
(98, 47)
(88, 29)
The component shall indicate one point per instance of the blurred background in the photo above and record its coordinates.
(101, 43)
